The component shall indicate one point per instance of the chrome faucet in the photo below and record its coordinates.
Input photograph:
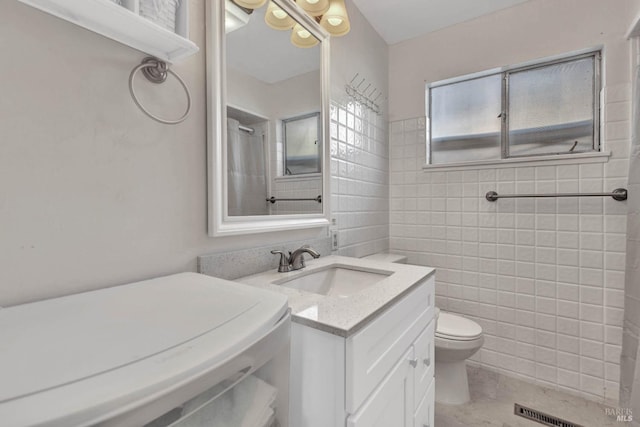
(295, 260)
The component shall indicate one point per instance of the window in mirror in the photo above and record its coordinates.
(303, 144)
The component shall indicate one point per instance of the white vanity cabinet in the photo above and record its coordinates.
(381, 375)
(391, 403)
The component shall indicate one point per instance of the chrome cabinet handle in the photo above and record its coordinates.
(413, 362)
(427, 361)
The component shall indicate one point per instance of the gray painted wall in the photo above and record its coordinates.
(92, 192)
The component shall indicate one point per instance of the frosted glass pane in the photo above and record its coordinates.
(464, 120)
(551, 109)
(303, 145)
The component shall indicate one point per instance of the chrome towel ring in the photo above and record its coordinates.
(156, 71)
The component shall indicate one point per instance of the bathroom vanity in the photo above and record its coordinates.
(362, 350)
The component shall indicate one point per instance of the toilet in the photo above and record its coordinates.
(456, 339)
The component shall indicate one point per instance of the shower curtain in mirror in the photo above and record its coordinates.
(246, 177)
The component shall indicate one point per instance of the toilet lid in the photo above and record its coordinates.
(455, 327)
(78, 358)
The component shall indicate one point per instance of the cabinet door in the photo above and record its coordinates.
(425, 414)
(424, 357)
(391, 404)
(375, 350)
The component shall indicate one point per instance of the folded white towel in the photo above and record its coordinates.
(248, 404)
(252, 398)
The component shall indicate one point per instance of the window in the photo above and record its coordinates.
(547, 108)
(302, 144)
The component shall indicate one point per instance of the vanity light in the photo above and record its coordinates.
(301, 37)
(277, 18)
(336, 20)
(250, 4)
(314, 7)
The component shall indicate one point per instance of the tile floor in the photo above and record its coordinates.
(493, 396)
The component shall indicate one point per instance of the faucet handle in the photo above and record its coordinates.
(284, 266)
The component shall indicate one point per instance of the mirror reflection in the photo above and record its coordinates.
(301, 140)
(274, 132)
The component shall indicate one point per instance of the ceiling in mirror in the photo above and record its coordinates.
(274, 158)
(330, 14)
(267, 54)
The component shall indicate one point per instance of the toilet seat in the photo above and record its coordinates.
(457, 328)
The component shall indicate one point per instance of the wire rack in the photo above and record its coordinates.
(365, 95)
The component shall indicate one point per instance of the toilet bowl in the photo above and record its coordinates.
(457, 338)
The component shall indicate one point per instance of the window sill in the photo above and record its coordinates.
(551, 160)
(301, 177)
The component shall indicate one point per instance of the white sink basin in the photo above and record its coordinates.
(335, 280)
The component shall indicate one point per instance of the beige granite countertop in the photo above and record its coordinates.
(343, 316)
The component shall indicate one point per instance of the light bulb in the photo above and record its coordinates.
(304, 34)
(277, 18)
(314, 7)
(336, 20)
(279, 14)
(301, 37)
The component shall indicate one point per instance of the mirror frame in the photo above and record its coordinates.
(220, 223)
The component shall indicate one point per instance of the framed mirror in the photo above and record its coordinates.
(267, 124)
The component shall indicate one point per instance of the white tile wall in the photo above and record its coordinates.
(296, 188)
(359, 179)
(545, 277)
(629, 386)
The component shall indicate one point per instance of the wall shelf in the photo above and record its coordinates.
(123, 23)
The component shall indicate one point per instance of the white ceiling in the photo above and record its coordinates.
(397, 21)
(269, 56)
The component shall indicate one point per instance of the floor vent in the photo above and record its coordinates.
(541, 417)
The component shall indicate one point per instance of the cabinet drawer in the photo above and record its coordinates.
(392, 403)
(372, 352)
(425, 414)
(425, 358)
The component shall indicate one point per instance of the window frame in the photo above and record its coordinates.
(284, 123)
(505, 73)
